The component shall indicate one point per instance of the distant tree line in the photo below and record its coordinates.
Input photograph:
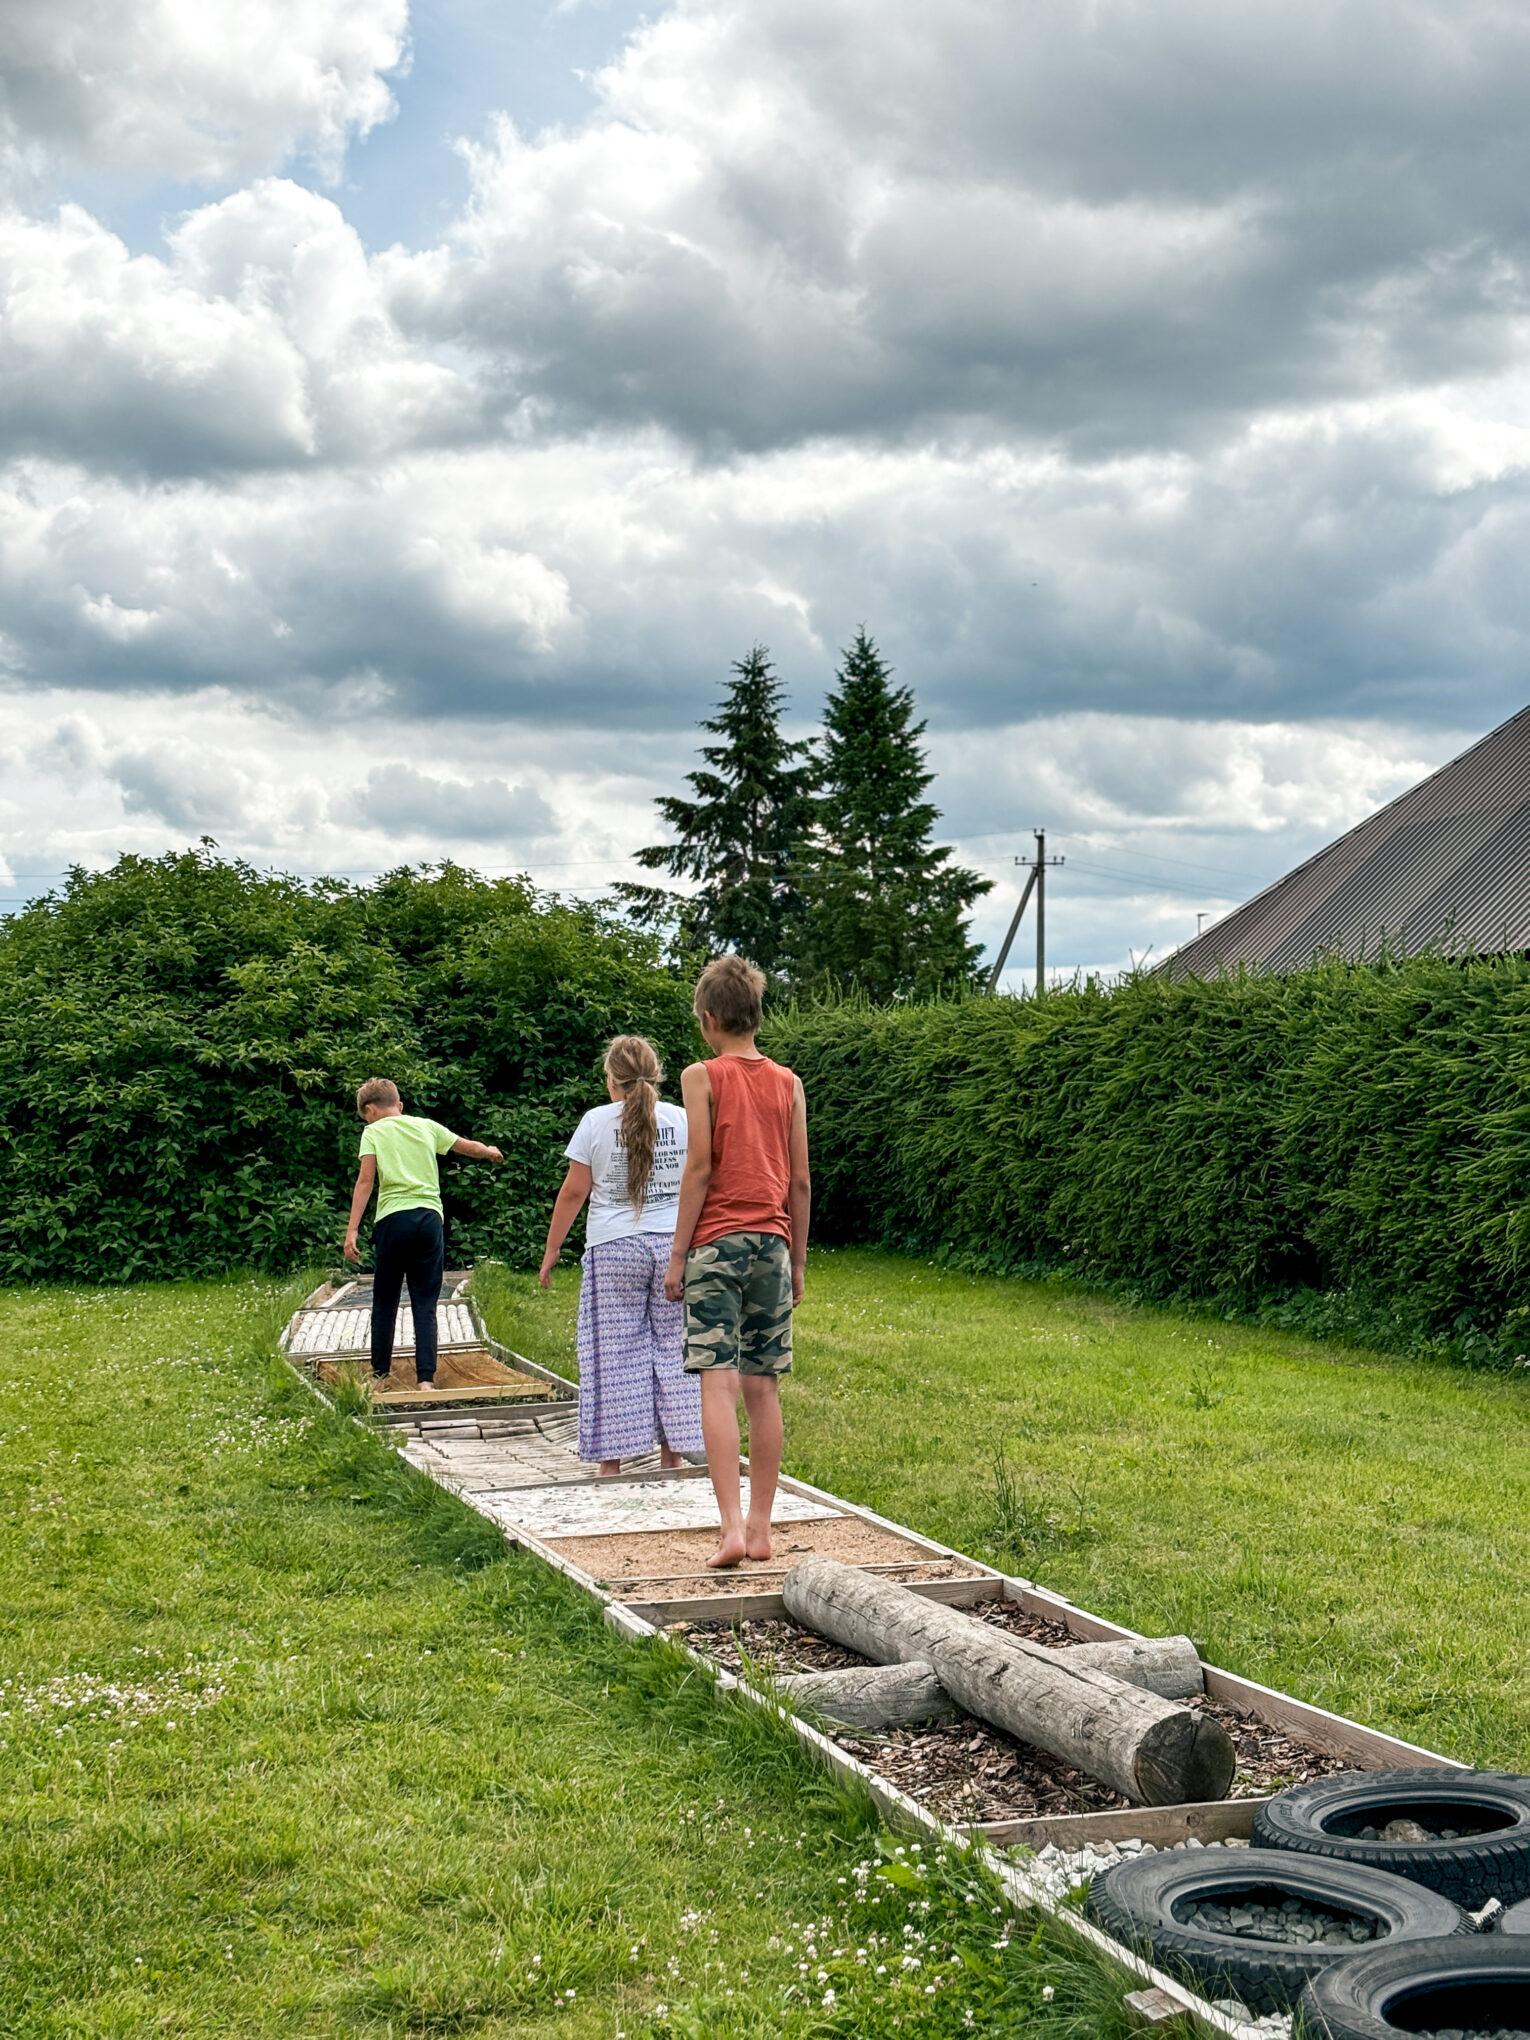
(816, 858)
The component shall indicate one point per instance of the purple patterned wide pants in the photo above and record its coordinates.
(632, 1385)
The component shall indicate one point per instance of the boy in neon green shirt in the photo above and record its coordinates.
(398, 1155)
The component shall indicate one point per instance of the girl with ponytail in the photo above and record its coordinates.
(627, 1159)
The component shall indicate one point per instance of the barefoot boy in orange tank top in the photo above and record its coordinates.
(740, 1244)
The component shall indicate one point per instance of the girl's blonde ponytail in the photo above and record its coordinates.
(634, 1067)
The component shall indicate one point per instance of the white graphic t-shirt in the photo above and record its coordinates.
(597, 1142)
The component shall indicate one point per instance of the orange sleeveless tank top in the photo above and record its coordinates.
(751, 1149)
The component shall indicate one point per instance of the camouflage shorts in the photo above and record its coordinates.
(738, 1304)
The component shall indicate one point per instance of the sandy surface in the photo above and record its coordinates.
(474, 1371)
(671, 1565)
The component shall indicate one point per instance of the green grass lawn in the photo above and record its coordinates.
(290, 1746)
(1351, 1528)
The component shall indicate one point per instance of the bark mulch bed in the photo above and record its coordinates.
(1268, 1759)
(966, 1770)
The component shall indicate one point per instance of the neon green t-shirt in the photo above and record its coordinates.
(406, 1150)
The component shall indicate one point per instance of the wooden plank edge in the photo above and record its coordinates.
(300, 1374)
(906, 1815)
(896, 1806)
(1333, 1732)
(1216, 1820)
(1087, 1627)
(606, 1480)
(767, 1607)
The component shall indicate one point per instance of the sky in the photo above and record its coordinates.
(407, 415)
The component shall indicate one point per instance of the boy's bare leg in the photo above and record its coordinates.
(610, 1466)
(762, 1399)
(669, 1459)
(719, 1433)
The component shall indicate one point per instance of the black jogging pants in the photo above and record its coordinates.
(407, 1246)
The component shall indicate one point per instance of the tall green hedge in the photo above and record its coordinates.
(180, 1040)
(1355, 1135)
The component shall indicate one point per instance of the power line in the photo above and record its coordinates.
(1143, 877)
(1189, 863)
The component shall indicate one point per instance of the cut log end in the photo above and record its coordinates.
(1186, 1756)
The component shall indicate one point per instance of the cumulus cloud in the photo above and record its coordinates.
(1157, 817)
(1149, 381)
(261, 342)
(181, 785)
(1113, 225)
(1358, 563)
(200, 90)
(84, 775)
(402, 801)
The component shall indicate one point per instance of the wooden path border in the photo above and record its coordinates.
(640, 1621)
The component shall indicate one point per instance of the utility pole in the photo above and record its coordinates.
(1036, 883)
(1040, 868)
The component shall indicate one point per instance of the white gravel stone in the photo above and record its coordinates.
(1060, 1871)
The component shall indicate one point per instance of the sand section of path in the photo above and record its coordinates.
(671, 1565)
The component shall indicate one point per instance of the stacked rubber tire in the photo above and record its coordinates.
(1488, 1857)
(1149, 1900)
(1397, 1860)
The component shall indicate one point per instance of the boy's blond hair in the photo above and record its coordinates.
(377, 1091)
(731, 990)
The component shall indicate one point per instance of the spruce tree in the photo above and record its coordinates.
(741, 838)
(884, 909)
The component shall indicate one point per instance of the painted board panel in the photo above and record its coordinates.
(601, 1508)
(344, 1329)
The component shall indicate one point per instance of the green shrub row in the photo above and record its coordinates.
(1347, 1147)
(180, 1041)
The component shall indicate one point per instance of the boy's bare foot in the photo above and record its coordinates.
(729, 1552)
(756, 1542)
(668, 1460)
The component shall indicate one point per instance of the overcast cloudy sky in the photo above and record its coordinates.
(407, 415)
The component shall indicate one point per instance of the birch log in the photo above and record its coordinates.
(1147, 1748)
(871, 1696)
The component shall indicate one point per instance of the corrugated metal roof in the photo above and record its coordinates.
(1446, 865)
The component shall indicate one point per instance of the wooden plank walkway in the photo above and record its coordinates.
(520, 1468)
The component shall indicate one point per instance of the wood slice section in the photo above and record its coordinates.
(1138, 1744)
